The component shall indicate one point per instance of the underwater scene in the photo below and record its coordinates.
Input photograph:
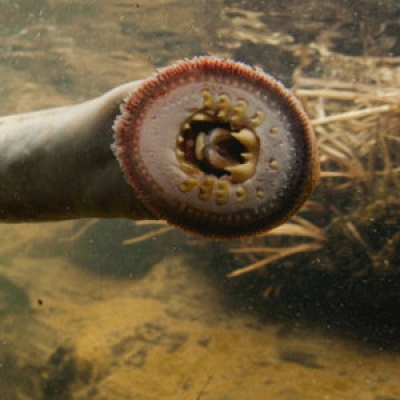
(113, 308)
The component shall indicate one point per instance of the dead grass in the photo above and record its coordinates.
(354, 106)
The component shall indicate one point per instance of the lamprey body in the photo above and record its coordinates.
(210, 145)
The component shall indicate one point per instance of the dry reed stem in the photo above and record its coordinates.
(146, 222)
(351, 115)
(280, 253)
(148, 235)
(81, 231)
(355, 152)
(357, 132)
(387, 98)
(302, 228)
(340, 85)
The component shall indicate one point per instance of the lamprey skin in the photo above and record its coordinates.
(57, 164)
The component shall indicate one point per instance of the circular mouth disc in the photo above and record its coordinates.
(217, 148)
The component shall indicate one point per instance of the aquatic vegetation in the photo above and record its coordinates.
(351, 223)
(297, 228)
(151, 234)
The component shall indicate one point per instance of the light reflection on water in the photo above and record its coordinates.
(83, 316)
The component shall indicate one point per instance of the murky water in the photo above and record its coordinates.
(84, 316)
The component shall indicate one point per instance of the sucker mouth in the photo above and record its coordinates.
(212, 148)
(217, 148)
(219, 140)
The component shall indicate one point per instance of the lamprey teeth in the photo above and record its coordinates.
(188, 185)
(222, 192)
(274, 164)
(180, 139)
(242, 172)
(258, 119)
(274, 129)
(188, 168)
(186, 126)
(247, 156)
(199, 117)
(242, 194)
(206, 189)
(247, 138)
(179, 154)
(208, 100)
(199, 147)
(260, 193)
(224, 107)
(239, 113)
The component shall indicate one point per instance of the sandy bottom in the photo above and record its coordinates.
(67, 332)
